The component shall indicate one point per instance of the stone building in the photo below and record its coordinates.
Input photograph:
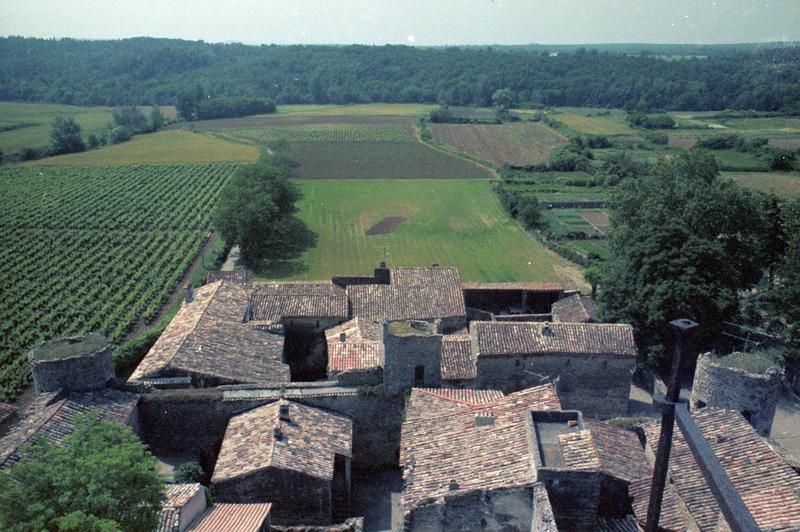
(768, 485)
(592, 364)
(295, 456)
(512, 299)
(52, 416)
(479, 458)
(77, 363)
(575, 308)
(207, 343)
(183, 503)
(185, 509)
(355, 352)
(754, 392)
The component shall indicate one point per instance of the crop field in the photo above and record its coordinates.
(329, 133)
(784, 184)
(593, 125)
(28, 124)
(455, 223)
(94, 249)
(516, 143)
(364, 109)
(378, 160)
(566, 222)
(164, 147)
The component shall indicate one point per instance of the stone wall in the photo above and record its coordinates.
(574, 496)
(354, 524)
(542, 519)
(409, 345)
(501, 509)
(754, 395)
(76, 372)
(599, 386)
(295, 497)
(195, 420)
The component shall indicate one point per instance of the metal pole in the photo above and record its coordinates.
(682, 328)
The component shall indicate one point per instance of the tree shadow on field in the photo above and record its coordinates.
(287, 257)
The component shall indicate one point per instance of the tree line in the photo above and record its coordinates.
(144, 70)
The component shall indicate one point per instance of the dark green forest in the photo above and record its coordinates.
(155, 71)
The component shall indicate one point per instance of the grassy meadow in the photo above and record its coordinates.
(455, 222)
(593, 125)
(783, 184)
(163, 147)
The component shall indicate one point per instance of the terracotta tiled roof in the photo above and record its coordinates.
(576, 308)
(434, 402)
(579, 450)
(232, 517)
(177, 496)
(457, 361)
(450, 453)
(769, 487)
(6, 411)
(207, 337)
(413, 293)
(307, 444)
(277, 301)
(240, 277)
(361, 348)
(672, 517)
(495, 338)
(530, 287)
(628, 524)
(52, 417)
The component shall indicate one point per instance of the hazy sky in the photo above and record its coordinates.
(424, 22)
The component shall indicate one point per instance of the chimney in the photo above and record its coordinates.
(435, 265)
(188, 293)
(382, 274)
(277, 433)
(547, 330)
(342, 337)
(453, 486)
(283, 412)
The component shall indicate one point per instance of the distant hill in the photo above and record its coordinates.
(146, 71)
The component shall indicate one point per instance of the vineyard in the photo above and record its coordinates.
(94, 249)
(330, 133)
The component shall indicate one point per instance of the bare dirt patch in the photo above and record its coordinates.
(597, 219)
(682, 142)
(386, 226)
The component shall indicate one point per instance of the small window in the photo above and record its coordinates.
(517, 362)
(419, 376)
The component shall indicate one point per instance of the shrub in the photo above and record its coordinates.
(658, 137)
(189, 472)
(782, 159)
(600, 142)
(660, 121)
(119, 134)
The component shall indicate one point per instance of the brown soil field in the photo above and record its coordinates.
(278, 120)
(789, 143)
(517, 143)
(385, 226)
(682, 142)
(598, 219)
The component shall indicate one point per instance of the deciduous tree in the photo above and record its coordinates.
(65, 136)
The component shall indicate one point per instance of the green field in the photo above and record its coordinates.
(32, 123)
(593, 125)
(94, 249)
(784, 184)
(740, 161)
(329, 133)
(164, 147)
(455, 223)
(366, 109)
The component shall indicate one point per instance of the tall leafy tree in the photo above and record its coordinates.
(257, 211)
(65, 136)
(102, 478)
(683, 243)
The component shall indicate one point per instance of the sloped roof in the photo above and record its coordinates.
(361, 348)
(307, 444)
(528, 286)
(450, 453)
(412, 293)
(576, 308)
(52, 416)
(277, 301)
(6, 412)
(626, 524)
(457, 362)
(177, 496)
(426, 403)
(769, 487)
(207, 337)
(247, 517)
(240, 277)
(496, 338)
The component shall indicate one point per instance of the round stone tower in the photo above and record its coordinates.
(740, 381)
(77, 363)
